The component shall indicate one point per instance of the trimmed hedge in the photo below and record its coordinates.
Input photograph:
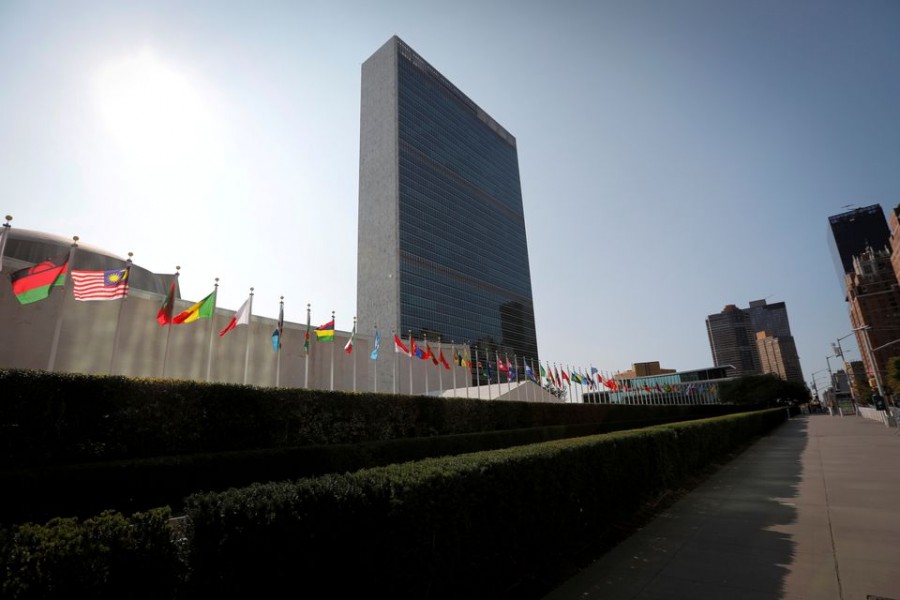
(52, 419)
(473, 525)
(464, 526)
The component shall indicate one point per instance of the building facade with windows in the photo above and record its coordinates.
(854, 231)
(442, 254)
(732, 341)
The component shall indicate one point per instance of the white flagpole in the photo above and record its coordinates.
(353, 354)
(440, 366)
(478, 374)
(112, 360)
(396, 361)
(4, 236)
(508, 380)
(278, 349)
(425, 339)
(518, 381)
(468, 360)
(455, 364)
(62, 304)
(306, 347)
(410, 362)
(526, 379)
(332, 354)
(169, 325)
(247, 342)
(212, 322)
(376, 359)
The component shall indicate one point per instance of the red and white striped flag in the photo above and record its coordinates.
(100, 285)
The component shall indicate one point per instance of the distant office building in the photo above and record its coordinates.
(442, 245)
(779, 355)
(771, 318)
(733, 341)
(853, 232)
(755, 340)
(777, 349)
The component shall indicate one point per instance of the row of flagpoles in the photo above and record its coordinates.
(34, 283)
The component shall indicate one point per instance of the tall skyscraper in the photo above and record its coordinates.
(442, 245)
(733, 341)
(755, 340)
(853, 232)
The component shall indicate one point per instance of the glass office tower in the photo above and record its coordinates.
(853, 232)
(442, 245)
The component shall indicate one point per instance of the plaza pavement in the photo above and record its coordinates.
(810, 511)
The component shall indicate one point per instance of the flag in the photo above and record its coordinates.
(443, 360)
(100, 285)
(348, 348)
(576, 377)
(201, 310)
(241, 317)
(33, 283)
(279, 330)
(510, 369)
(457, 357)
(467, 359)
(325, 333)
(430, 354)
(528, 372)
(374, 355)
(399, 347)
(164, 316)
(566, 376)
(543, 372)
(488, 369)
(4, 233)
(501, 366)
(414, 348)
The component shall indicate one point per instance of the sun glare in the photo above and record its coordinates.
(163, 126)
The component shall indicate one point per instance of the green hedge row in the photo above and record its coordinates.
(470, 525)
(87, 489)
(51, 419)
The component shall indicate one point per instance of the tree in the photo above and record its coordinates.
(893, 372)
(860, 388)
(763, 389)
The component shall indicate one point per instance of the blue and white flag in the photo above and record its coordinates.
(374, 355)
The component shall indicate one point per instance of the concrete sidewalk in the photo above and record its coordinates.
(810, 511)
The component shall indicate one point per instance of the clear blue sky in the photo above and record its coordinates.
(675, 156)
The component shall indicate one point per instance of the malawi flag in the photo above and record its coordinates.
(33, 283)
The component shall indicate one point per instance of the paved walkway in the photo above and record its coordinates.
(810, 512)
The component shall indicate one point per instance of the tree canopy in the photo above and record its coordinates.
(767, 389)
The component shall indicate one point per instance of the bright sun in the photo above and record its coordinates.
(163, 126)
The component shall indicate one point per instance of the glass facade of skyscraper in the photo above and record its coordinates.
(463, 256)
(855, 231)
